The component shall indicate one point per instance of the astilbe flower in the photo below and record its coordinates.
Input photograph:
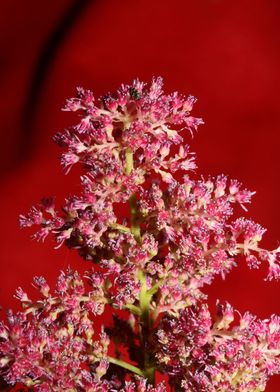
(202, 355)
(154, 263)
(50, 345)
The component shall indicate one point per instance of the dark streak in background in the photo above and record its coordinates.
(27, 138)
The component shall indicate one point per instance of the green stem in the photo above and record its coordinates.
(149, 372)
(128, 161)
(144, 299)
(126, 365)
(144, 302)
(135, 227)
(134, 309)
(155, 287)
(121, 228)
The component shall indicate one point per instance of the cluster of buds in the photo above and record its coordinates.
(152, 263)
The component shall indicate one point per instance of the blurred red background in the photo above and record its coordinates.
(224, 52)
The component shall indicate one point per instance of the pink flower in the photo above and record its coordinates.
(151, 266)
(49, 343)
(238, 358)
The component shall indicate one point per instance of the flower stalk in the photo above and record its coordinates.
(146, 328)
(128, 161)
(126, 365)
(135, 225)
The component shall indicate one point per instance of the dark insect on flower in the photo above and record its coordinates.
(134, 93)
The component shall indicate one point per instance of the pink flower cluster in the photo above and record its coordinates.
(153, 264)
(46, 345)
(120, 143)
(50, 346)
(202, 355)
